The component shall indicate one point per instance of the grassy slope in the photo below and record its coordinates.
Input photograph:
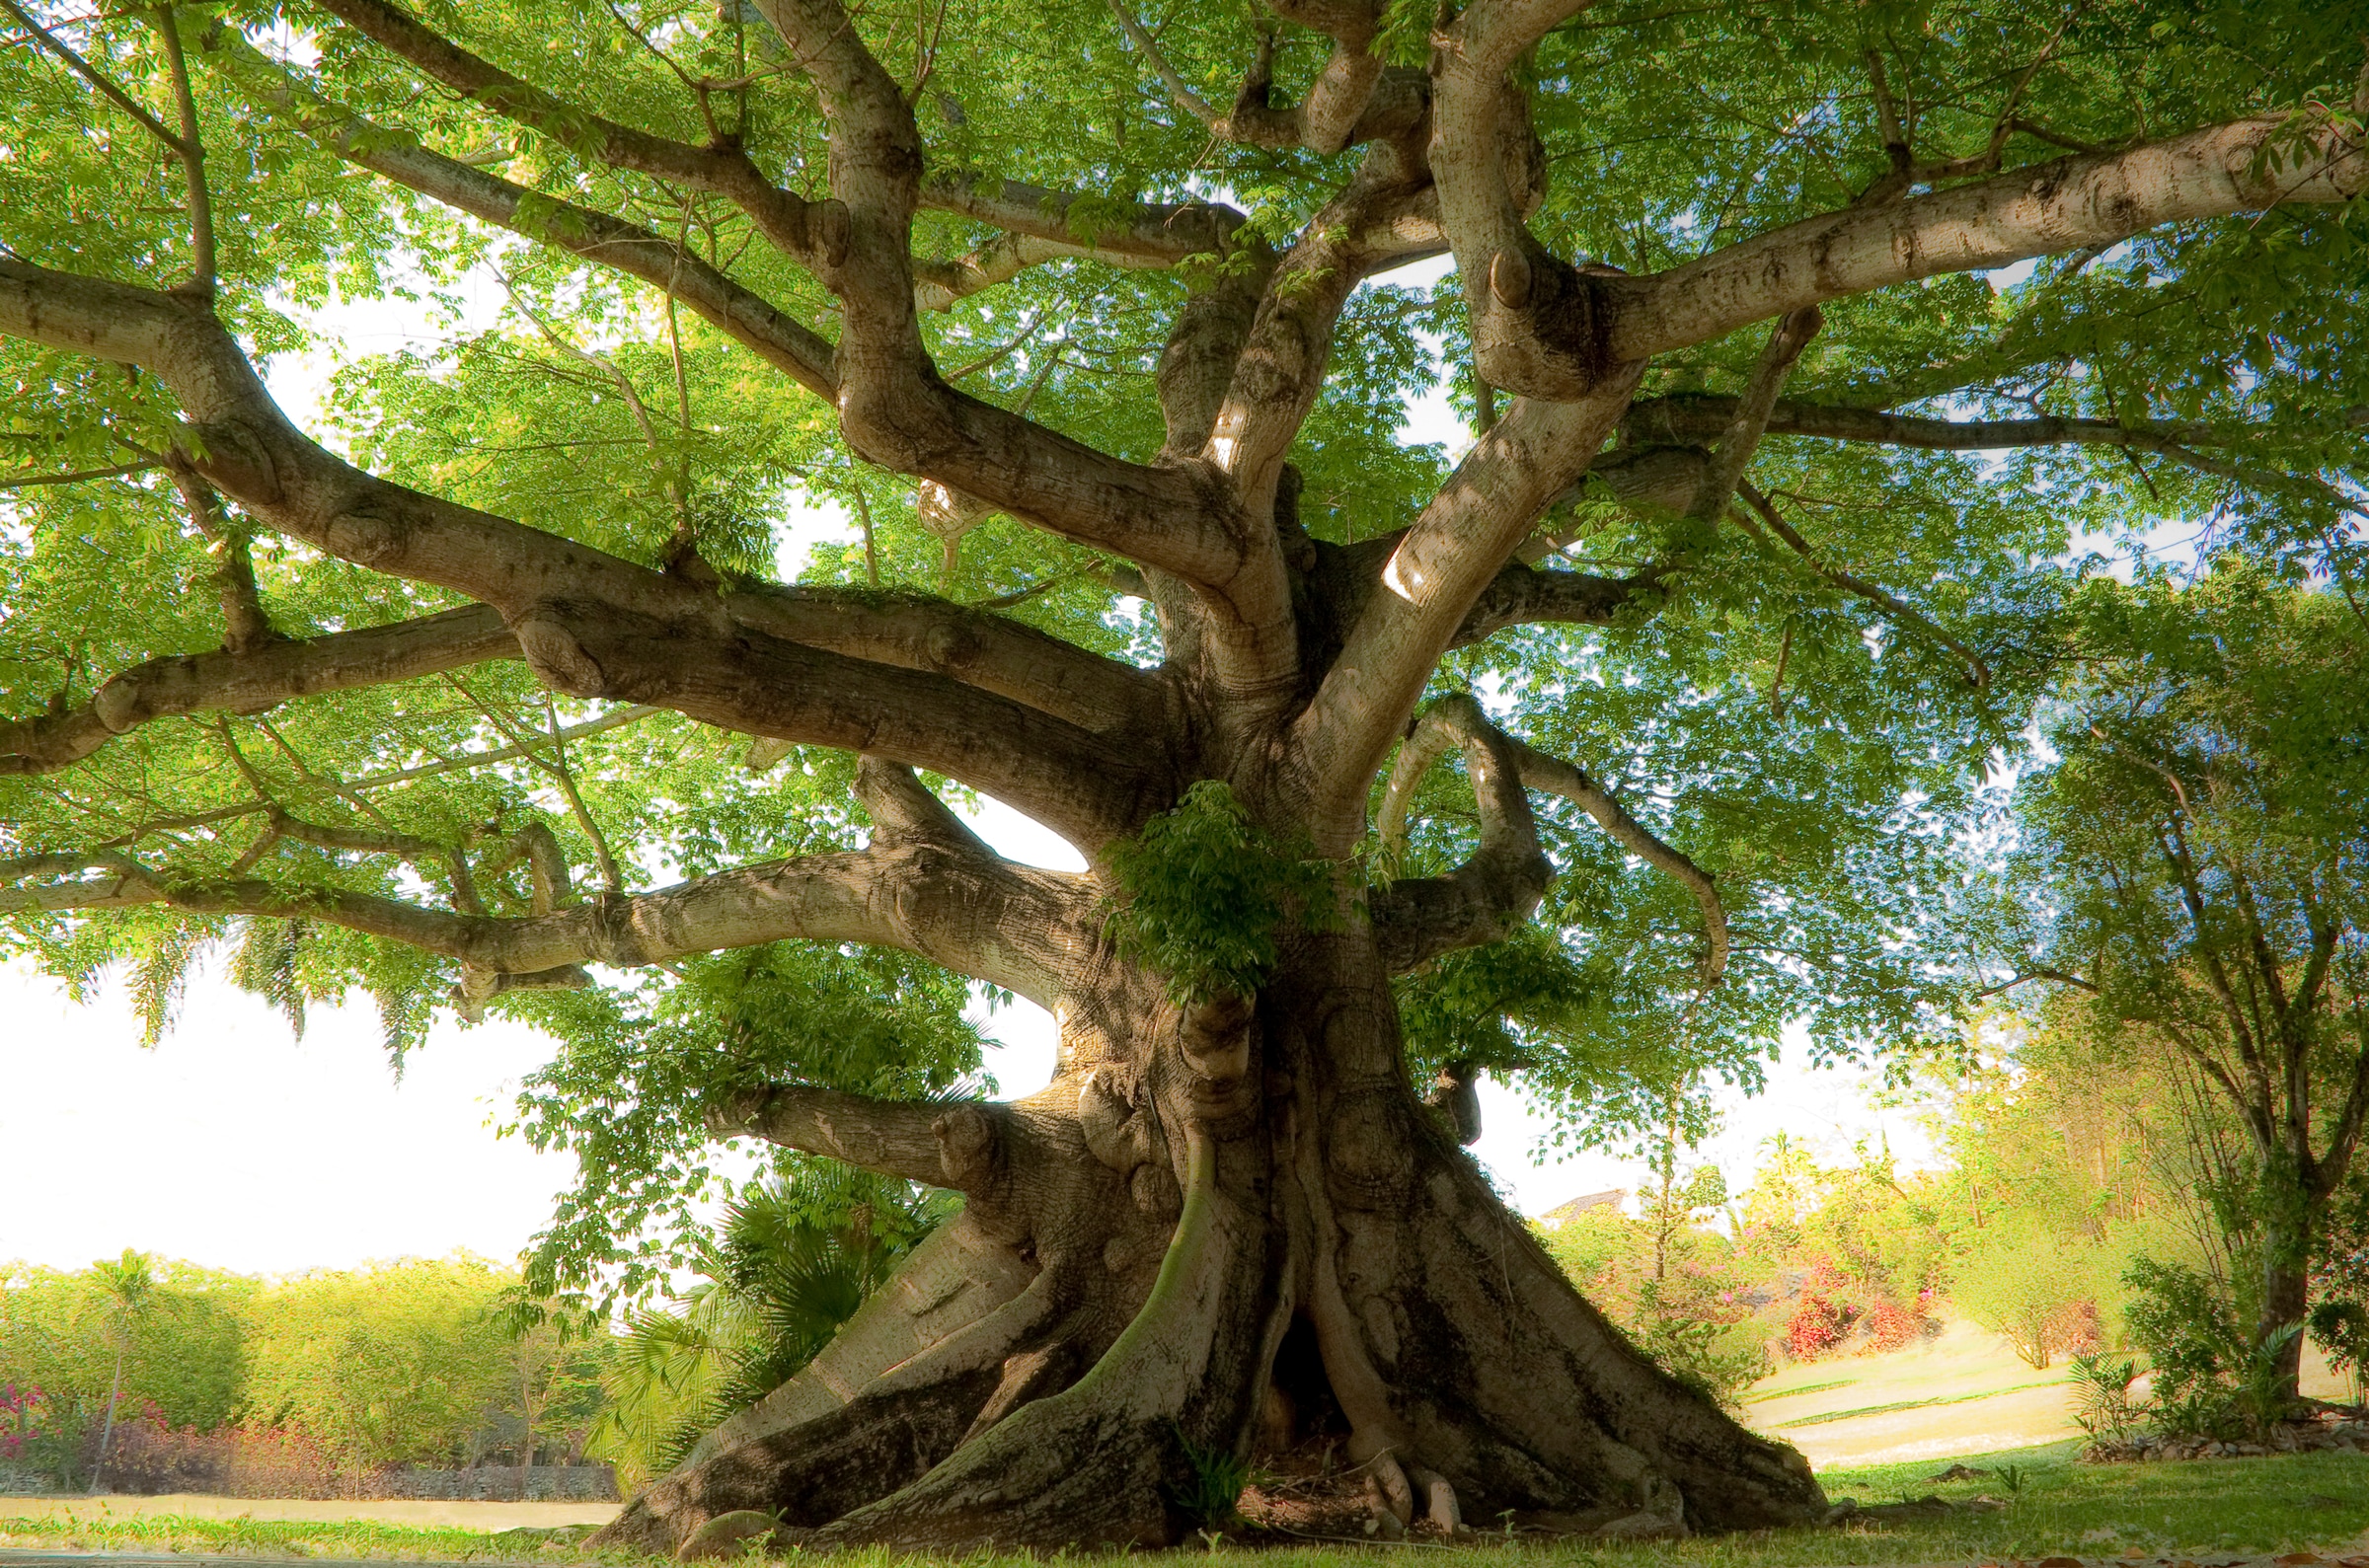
(2204, 1513)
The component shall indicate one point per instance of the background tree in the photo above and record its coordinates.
(793, 1262)
(127, 1285)
(2199, 842)
(1165, 579)
(397, 1364)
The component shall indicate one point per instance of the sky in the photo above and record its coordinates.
(235, 1145)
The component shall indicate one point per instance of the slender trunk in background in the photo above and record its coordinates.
(107, 1431)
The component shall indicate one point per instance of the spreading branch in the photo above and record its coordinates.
(1978, 673)
(927, 892)
(1485, 899)
(1433, 578)
(593, 626)
(2069, 204)
(254, 679)
(1502, 883)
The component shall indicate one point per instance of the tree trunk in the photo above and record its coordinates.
(107, 1430)
(1210, 1216)
(2286, 1301)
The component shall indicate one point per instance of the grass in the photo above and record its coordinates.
(1829, 1416)
(1762, 1395)
(2205, 1513)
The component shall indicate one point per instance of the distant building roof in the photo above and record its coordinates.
(1563, 1213)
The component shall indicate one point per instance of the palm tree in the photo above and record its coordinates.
(793, 1261)
(129, 1284)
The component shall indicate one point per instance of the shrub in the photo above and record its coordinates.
(1821, 1324)
(395, 1364)
(2031, 1287)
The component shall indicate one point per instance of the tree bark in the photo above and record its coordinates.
(1208, 1204)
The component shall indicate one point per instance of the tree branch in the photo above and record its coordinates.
(1487, 898)
(245, 626)
(1524, 595)
(1696, 417)
(1978, 672)
(253, 680)
(894, 409)
(1538, 325)
(1180, 91)
(1742, 434)
(2064, 205)
(1010, 925)
(939, 1146)
(592, 625)
(1503, 769)
(813, 234)
(1434, 576)
(740, 315)
(1556, 777)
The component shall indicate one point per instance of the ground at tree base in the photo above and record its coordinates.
(2280, 1511)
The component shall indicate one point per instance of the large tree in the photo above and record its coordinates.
(1106, 289)
(2199, 842)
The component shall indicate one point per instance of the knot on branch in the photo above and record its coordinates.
(235, 461)
(1215, 1036)
(1545, 328)
(966, 1147)
(558, 659)
(118, 704)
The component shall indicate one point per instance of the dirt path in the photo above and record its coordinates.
(1963, 1392)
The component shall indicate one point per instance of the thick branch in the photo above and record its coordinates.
(2065, 205)
(1275, 382)
(589, 624)
(1700, 417)
(253, 681)
(1459, 719)
(1524, 595)
(1009, 926)
(1484, 900)
(1539, 326)
(916, 1141)
(1434, 578)
(892, 406)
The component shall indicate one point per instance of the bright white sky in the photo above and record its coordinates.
(236, 1145)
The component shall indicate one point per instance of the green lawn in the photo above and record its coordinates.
(2210, 1512)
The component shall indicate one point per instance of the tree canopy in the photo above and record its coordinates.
(1805, 350)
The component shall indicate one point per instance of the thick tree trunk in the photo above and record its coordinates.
(1205, 1235)
(2286, 1301)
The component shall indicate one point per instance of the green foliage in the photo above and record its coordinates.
(637, 1070)
(2038, 1291)
(1206, 890)
(1675, 1296)
(792, 1262)
(186, 1355)
(1212, 1485)
(2213, 1374)
(2103, 1402)
(390, 1365)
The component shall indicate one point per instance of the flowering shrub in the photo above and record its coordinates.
(1824, 1315)
(39, 1433)
(1892, 1327)
(150, 1455)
